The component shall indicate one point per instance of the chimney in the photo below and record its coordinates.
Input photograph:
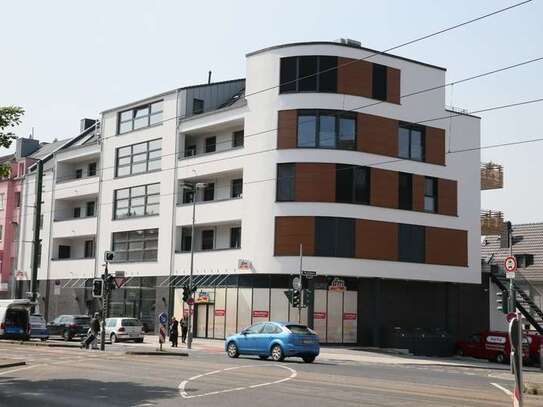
(85, 124)
(25, 146)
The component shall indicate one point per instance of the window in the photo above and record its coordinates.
(77, 212)
(186, 239)
(64, 252)
(410, 139)
(135, 245)
(190, 150)
(285, 182)
(91, 170)
(141, 200)
(140, 117)
(430, 194)
(235, 237)
(211, 144)
(207, 239)
(17, 199)
(254, 329)
(188, 195)
(79, 173)
(411, 243)
(237, 188)
(379, 82)
(326, 129)
(334, 237)
(138, 158)
(308, 74)
(352, 184)
(524, 260)
(271, 329)
(238, 138)
(209, 191)
(405, 191)
(89, 249)
(90, 208)
(197, 106)
(1, 201)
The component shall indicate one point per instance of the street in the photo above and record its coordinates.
(68, 377)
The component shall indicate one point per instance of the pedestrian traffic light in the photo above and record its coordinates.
(296, 298)
(186, 293)
(97, 288)
(308, 297)
(502, 298)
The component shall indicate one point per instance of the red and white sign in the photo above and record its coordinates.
(319, 315)
(219, 312)
(510, 265)
(510, 316)
(337, 284)
(349, 316)
(260, 314)
(119, 281)
(162, 334)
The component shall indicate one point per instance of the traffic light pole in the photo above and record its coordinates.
(511, 304)
(105, 308)
(37, 249)
(301, 286)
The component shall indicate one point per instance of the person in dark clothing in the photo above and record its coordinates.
(184, 330)
(174, 332)
(94, 331)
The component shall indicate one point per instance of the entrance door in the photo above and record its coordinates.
(201, 321)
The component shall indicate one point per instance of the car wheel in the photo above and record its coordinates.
(263, 357)
(500, 358)
(232, 350)
(113, 338)
(139, 340)
(66, 336)
(277, 353)
(309, 359)
(43, 339)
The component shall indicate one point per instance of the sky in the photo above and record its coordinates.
(65, 60)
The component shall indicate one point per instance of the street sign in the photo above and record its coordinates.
(119, 281)
(510, 265)
(297, 283)
(163, 318)
(510, 316)
(309, 274)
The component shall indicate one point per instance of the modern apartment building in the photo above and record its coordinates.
(318, 150)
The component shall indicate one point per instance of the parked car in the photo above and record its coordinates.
(15, 319)
(124, 329)
(491, 345)
(275, 339)
(38, 327)
(69, 326)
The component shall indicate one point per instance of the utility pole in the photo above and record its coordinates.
(105, 308)
(511, 285)
(301, 286)
(37, 241)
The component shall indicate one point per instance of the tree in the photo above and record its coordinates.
(10, 116)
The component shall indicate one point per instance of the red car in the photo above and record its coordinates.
(490, 345)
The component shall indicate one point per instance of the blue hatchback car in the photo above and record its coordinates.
(275, 339)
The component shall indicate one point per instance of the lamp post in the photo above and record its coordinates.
(194, 189)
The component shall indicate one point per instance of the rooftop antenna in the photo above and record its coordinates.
(209, 77)
(32, 134)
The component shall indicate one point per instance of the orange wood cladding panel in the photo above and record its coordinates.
(446, 246)
(384, 188)
(315, 182)
(354, 77)
(290, 231)
(447, 197)
(287, 124)
(376, 240)
(377, 135)
(418, 192)
(434, 146)
(393, 85)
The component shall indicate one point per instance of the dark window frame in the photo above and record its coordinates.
(379, 88)
(335, 232)
(91, 169)
(351, 173)
(238, 139)
(210, 147)
(198, 106)
(235, 237)
(338, 116)
(413, 127)
(293, 85)
(405, 197)
(150, 115)
(126, 238)
(236, 190)
(132, 197)
(76, 212)
(205, 240)
(148, 151)
(407, 243)
(88, 251)
(289, 181)
(433, 195)
(209, 192)
(90, 204)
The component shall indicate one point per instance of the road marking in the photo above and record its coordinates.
(16, 370)
(185, 395)
(506, 391)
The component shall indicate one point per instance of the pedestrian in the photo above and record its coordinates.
(184, 329)
(174, 332)
(94, 331)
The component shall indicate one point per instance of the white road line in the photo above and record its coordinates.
(16, 370)
(185, 395)
(506, 391)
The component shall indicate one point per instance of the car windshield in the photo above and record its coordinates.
(298, 329)
(130, 322)
(82, 320)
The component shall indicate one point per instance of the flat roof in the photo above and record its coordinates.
(339, 44)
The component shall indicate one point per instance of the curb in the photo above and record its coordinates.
(46, 344)
(13, 364)
(155, 353)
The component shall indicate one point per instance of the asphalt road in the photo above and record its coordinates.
(71, 377)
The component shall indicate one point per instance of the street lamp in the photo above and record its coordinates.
(194, 189)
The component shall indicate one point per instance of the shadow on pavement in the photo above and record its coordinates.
(79, 392)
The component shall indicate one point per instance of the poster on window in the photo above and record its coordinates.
(261, 303)
(335, 317)
(319, 314)
(220, 312)
(231, 310)
(279, 305)
(350, 316)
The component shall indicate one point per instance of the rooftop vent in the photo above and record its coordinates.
(349, 42)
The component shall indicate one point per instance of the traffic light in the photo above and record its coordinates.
(502, 298)
(108, 256)
(308, 297)
(296, 298)
(97, 288)
(186, 293)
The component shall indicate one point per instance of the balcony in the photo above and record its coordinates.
(212, 237)
(491, 176)
(491, 222)
(72, 268)
(67, 228)
(76, 188)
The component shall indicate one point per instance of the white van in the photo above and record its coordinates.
(15, 319)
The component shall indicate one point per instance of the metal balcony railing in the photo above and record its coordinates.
(491, 222)
(491, 176)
